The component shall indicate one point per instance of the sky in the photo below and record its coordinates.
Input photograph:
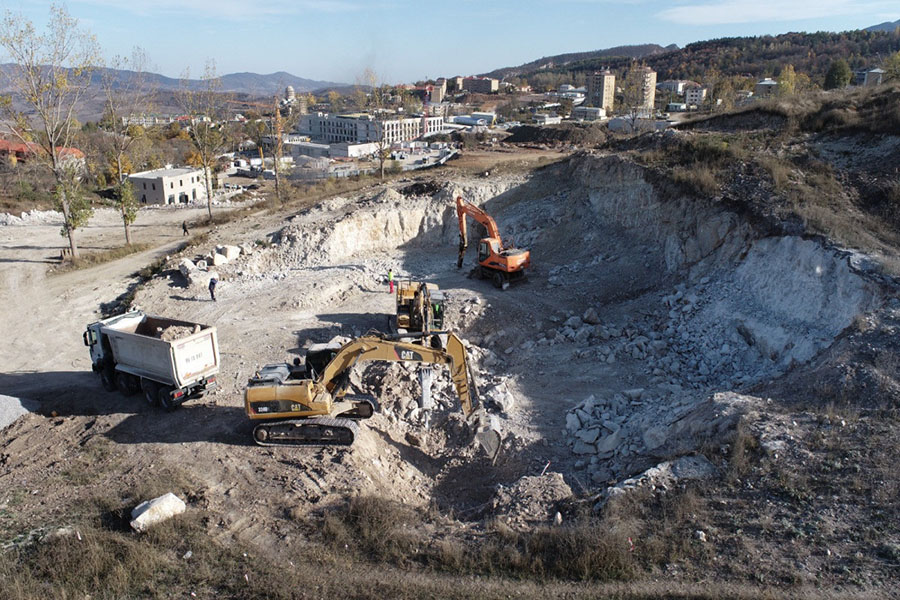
(406, 41)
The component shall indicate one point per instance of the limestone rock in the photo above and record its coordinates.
(151, 512)
(229, 252)
(591, 317)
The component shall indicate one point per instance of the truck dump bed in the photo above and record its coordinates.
(174, 352)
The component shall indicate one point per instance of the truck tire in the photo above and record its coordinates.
(150, 391)
(124, 384)
(107, 380)
(498, 279)
(165, 398)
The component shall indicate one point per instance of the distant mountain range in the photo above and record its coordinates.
(252, 84)
(561, 60)
(886, 26)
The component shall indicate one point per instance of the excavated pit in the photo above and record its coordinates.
(645, 323)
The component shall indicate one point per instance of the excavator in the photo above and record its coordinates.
(311, 406)
(420, 309)
(495, 262)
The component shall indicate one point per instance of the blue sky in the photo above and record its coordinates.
(403, 41)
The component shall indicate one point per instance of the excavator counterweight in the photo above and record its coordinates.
(311, 406)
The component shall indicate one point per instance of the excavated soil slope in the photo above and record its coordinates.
(644, 324)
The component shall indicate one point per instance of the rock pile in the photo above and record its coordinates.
(626, 432)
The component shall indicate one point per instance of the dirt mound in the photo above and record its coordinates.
(421, 188)
(579, 134)
(532, 500)
(753, 119)
(175, 332)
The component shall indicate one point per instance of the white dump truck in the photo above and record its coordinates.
(167, 360)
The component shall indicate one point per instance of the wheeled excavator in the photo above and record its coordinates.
(311, 406)
(495, 262)
(420, 310)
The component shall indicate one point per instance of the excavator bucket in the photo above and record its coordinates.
(488, 437)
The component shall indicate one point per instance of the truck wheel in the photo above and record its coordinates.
(123, 384)
(498, 280)
(150, 391)
(165, 398)
(107, 379)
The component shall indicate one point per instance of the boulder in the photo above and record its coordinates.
(591, 317)
(187, 266)
(572, 322)
(219, 259)
(229, 252)
(151, 512)
(610, 442)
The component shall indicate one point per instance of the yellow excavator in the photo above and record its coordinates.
(420, 309)
(310, 406)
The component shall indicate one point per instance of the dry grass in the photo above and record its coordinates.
(92, 259)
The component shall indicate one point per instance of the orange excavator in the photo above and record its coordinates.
(495, 262)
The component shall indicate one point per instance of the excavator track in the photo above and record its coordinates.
(318, 431)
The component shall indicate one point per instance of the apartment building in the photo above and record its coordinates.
(601, 91)
(481, 85)
(694, 95)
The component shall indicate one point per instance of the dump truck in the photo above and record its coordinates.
(167, 360)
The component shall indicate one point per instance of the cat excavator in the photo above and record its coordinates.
(495, 262)
(311, 406)
(420, 309)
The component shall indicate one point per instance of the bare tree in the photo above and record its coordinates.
(637, 91)
(127, 92)
(50, 73)
(205, 105)
(377, 103)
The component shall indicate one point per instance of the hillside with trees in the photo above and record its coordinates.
(811, 54)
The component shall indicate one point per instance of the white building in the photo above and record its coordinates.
(694, 95)
(360, 128)
(588, 113)
(169, 186)
(545, 119)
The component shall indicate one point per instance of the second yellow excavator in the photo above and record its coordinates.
(311, 406)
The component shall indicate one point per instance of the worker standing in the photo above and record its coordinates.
(184, 228)
(391, 281)
(212, 288)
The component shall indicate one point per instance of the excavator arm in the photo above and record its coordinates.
(370, 348)
(297, 412)
(464, 208)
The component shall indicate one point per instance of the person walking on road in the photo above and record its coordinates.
(212, 288)
(391, 281)
(184, 228)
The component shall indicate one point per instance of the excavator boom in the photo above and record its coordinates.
(496, 262)
(295, 411)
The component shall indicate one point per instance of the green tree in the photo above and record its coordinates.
(787, 81)
(50, 74)
(892, 67)
(127, 92)
(838, 75)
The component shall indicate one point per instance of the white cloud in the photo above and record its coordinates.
(226, 9)
(756, 11)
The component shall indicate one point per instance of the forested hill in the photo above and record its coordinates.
(562, 60)
(809, 53)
